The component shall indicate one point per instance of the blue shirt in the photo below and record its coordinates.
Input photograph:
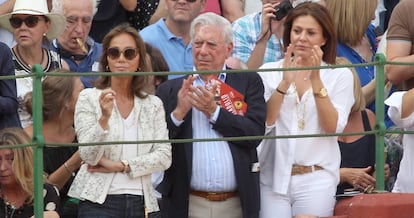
(213, 167)
(246, 32)
(89, 64)
(366, 74)
(179, 56)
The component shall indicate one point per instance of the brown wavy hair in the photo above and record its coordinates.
(138, 82)
(322, 16)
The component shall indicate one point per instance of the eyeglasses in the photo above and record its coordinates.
(30, 21)
(190, 1)
(129, 53)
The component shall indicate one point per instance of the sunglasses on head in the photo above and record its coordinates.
(30, 21)
(129, 53)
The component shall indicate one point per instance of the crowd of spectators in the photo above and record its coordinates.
(249, 178)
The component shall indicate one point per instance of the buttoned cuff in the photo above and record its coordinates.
(175, 121)
(213, 118)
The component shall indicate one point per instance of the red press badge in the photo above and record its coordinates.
(229, 98)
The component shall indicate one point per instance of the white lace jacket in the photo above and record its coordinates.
(150, 158)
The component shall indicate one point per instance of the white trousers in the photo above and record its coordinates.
(311, 193)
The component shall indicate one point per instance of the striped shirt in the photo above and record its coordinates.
(213, 168)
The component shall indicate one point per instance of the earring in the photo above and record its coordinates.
(107, 67)
(44, 34)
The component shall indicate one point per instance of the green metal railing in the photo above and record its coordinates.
(38, 140)
(380, 125)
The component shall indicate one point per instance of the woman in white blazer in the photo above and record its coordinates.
(115, 179)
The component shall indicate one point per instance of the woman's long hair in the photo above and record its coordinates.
(23, 158)
(322, 16)
(351, 18)
(138, 82)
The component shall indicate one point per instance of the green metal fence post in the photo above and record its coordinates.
(380, 125)
(38, 139)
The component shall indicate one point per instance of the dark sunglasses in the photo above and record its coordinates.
(30, 21)
(129, 53)
(191, 1)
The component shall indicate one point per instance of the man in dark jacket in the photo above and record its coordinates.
(213, 179)
(8, 94)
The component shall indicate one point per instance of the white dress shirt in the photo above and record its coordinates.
(278, 155)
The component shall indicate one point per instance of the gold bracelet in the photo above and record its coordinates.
(67, 169)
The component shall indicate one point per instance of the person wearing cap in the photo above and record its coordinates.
(74, 45)
(32, 24)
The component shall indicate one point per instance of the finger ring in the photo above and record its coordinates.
(110, 94)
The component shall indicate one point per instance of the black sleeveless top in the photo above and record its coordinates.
(357, 154)
(53, 158)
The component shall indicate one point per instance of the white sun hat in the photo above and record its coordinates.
(35, 7)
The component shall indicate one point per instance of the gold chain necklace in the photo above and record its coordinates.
(300, 108)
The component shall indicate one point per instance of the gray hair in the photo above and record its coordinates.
(213, 19)
(57, 6)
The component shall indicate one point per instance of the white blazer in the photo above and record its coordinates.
(150, 157)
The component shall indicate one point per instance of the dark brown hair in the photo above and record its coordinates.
(138, 82)
(322, 16)
(158, 63)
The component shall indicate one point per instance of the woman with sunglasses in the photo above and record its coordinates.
(116, 179)
(32, 25)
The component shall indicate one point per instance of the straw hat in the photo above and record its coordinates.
(36, 7)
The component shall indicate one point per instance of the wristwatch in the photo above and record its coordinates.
(323, 93)
(126, 165)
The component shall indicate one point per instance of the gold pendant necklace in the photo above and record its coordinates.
(301, 109)
(301, 116)
(301, 124)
